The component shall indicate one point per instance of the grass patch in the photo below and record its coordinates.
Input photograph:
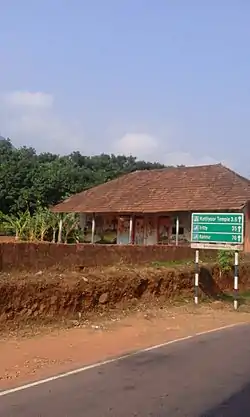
(246, 294)
(169, 264)
(243, 297)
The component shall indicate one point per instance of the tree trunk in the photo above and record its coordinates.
(54, 235)
(60, 231)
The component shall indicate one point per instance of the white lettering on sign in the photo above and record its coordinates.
(203, 228)
(207, 237)
(225, 219)
(207, 219)
(217, 219)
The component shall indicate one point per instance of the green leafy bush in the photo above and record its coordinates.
(225, 260)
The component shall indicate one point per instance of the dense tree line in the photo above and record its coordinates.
(29, 180)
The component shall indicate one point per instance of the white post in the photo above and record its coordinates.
(93, 229)
(236, 279)
(177, 226)
(59, 240)
(196, 278)
(130, 229)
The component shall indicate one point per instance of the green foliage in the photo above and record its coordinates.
(225, 260)
(30, 183)
(70, 227)
(16, 224)
(29, 180)
(42, 225)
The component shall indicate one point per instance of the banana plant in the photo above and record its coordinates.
(54, 221)
(18, 224)
(32, 229)
(70, 224)
(42, 222)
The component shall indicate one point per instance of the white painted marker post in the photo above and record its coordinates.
(196, 277)
(236, 278)
(93, 229)
(131, 230)
(177, 225)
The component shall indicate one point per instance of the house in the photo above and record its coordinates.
(154, 207)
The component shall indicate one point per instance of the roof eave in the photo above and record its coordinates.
(64, 209)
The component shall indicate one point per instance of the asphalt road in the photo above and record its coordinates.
(207, 376)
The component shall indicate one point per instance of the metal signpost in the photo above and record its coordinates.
(218, 231)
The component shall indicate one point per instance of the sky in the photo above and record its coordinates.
(164, 80)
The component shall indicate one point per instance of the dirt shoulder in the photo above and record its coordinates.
(25, 359)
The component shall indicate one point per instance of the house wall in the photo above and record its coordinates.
(184, 228)
(105, 228)
(150, 229)
(247, 229)
(166, 231)
(147, 229)
(123, 223)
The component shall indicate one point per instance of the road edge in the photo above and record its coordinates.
(113, 360)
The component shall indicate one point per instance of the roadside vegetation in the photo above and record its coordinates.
(29, 179)
(225, 260)
(31, 182)
(42, 226)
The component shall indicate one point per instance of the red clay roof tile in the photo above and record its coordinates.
(203, 188)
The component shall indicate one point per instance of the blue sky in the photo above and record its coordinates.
(165, 80)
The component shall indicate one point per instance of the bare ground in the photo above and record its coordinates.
(54, 321)
(53, 296)
(44, 351)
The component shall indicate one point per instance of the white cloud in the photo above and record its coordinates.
(140, 144)
(28, 99)
(30, 118)
(185, 158)
(148, 147)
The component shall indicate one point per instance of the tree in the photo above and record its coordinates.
(29, 180)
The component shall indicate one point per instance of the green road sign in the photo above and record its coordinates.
(217, 228)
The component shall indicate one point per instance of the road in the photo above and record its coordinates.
(205, 376)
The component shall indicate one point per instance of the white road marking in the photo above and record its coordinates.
(108, 361)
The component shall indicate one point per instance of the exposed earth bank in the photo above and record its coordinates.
(50, 296)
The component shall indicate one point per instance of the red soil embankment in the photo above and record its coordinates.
(56, 295)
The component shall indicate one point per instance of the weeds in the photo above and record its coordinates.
(225, 260)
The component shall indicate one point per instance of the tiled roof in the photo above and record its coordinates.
(203, 188)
